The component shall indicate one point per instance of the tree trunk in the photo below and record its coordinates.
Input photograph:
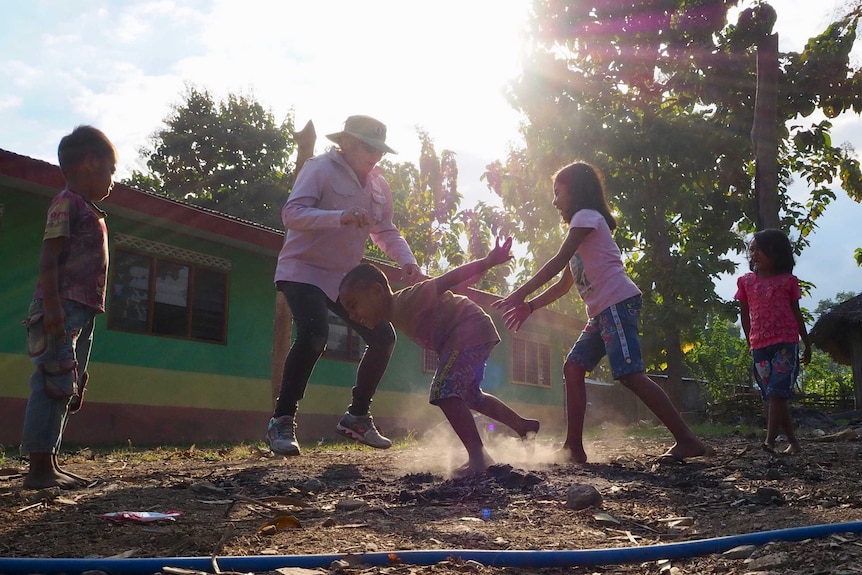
(283, 324)
(764, 134)
(856, 362)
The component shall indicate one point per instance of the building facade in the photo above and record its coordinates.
(191, 346)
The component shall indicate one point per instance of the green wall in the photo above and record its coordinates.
(153, 370)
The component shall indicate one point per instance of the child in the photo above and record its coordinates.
(461, 333)
(772, 321)
(70, 292)
(613, 303)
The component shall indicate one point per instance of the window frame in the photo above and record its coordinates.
(154, 259)
(541, 362)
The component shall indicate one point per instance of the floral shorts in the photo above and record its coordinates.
(614, 333)
(459, 374)
(775, 369)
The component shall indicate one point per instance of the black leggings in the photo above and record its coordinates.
(308, 306)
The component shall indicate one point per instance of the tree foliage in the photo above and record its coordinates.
(659, 94)
(426, 201)
(720, 358)
(231, 156)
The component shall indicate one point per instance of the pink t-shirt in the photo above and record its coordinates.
(597, 265)
(442, 322)
(83, 263)
(769, 308)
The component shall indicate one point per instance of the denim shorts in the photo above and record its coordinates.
(459, 374)
(614, 332)
(775, 369)
(60, 361)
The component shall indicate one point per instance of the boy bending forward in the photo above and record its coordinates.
(461, 333)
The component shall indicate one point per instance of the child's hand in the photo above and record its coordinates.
(53, 318)
(516, 316)
(501, 253)
(509, 302)
(806, 354)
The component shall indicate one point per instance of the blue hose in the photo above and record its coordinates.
(509, 558)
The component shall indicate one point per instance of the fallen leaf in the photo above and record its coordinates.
(279, 523)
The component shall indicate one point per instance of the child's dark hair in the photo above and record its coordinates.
(82, 141)
(776, 246)
(362, 275)
(586, 189)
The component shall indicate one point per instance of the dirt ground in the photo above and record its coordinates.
(344, 499)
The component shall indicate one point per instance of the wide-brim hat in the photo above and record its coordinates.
(365, 129)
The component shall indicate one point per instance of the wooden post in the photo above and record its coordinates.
(283, 326)
(856, 363)
(764, 133)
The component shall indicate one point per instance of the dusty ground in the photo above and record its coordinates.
(354, 500)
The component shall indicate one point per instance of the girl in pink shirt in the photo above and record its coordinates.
(590, 259)
(772, 321)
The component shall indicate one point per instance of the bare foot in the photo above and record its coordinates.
(793, 449)
(529, 429)
(690, 448)
(569, 455)
(469, 469)
(50, 479)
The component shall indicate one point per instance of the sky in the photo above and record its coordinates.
(441, 66)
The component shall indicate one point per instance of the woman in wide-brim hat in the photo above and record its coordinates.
(340, 199)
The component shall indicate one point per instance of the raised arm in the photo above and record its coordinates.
(473, 270)
(516, 316)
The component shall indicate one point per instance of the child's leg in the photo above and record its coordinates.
(779, 420)
(775, 369)
(461, 419)
(51, 385)
(494, 408)
(576, 408)
(654, 397)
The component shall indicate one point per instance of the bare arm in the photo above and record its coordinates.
(745, 320)
(551, 268)
(473, 270)
(54, 319)
(516, 316)
(803, 332)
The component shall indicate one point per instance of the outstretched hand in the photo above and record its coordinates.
(516, 316)
(501, 252)
(509, 302)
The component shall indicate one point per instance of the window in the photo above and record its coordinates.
(163, 296)
(531, 362)
(430, 361)
(343, 342)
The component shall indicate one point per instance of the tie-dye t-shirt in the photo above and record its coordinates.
(83, 263)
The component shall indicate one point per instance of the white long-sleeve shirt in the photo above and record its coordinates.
(318, 249)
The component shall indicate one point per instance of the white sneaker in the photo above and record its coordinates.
(281, 435)
(362, 429)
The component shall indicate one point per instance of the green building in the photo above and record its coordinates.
(192, 344)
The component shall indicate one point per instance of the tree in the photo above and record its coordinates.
(659, 94)
(720, 358)
(425, 202)
(231, 156)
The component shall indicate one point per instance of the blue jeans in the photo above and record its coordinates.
(60, 362)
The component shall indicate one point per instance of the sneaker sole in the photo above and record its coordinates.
(291, 453)
(350, 434)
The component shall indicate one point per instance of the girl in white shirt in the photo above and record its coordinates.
(590, 259)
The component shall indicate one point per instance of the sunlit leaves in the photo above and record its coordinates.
(230, 155)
